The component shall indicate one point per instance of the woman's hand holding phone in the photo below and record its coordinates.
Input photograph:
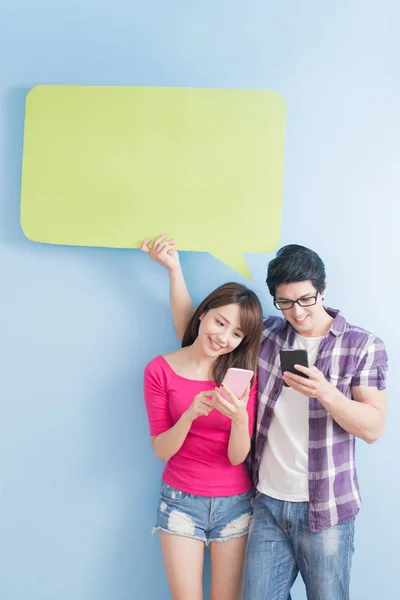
(235, 408)
(232, 396)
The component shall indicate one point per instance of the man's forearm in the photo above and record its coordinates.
(181, 303)
(359, 419)
(363, 416)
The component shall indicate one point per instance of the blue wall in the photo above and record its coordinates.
(78, 482)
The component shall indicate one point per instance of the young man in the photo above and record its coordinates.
(307, 493)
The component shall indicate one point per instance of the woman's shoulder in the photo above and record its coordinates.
(156, 366)
(175, 355)
(163, 365)
(154, 362)
(157, 374)
(177, 359)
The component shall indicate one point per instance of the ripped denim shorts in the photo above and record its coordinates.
(209, 519)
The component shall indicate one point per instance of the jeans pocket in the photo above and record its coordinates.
(171, 494)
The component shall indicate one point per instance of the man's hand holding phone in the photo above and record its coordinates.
(309, 381)
(315, 386)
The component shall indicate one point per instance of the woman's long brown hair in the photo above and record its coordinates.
(251, 323)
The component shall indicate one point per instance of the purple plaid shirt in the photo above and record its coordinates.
(348, 356)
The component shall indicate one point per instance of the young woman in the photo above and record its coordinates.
(206, 490)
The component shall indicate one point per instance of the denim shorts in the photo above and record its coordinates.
(205, 518)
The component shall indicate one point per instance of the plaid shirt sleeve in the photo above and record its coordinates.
(372, 369)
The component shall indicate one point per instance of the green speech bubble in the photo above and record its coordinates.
(109, 166)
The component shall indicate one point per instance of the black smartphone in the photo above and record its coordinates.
(289, 358)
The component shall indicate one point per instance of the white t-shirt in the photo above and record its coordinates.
(283, 470)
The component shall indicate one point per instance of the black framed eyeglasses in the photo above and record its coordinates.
(287, 304)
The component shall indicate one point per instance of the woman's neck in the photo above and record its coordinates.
(197, 358)
(192, 362)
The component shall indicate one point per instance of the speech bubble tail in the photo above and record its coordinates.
(235, 260)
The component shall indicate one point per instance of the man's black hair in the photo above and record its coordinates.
(295, 263)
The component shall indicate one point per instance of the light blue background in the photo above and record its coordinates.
(78, 482)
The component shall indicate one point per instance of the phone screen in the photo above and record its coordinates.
(237, 381)
(289, 358)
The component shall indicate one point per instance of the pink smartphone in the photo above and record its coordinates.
(237, 381)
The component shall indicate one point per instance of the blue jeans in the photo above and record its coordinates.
(281, 544)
